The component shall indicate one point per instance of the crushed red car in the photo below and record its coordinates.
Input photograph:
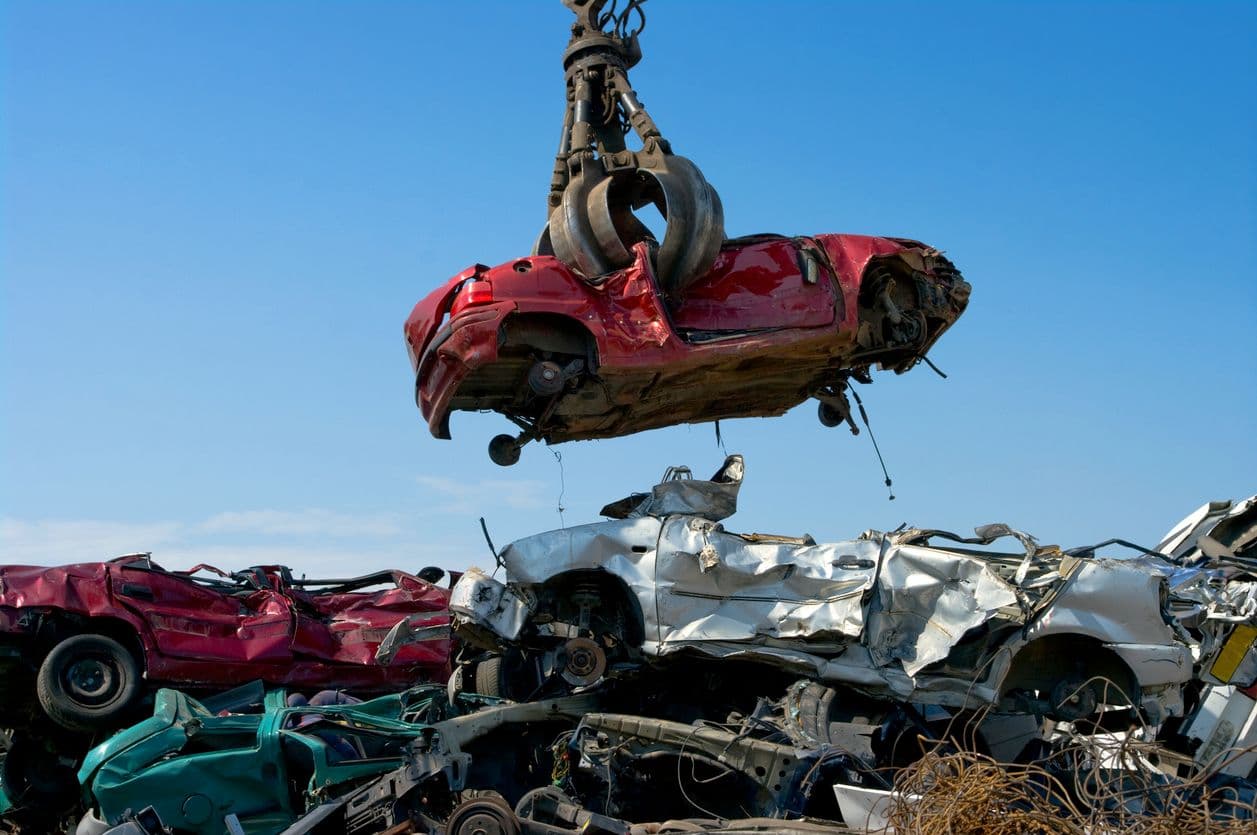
(775, 321)
(93, 635)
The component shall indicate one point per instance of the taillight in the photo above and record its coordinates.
(476, 291)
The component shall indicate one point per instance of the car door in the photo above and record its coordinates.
(765, 285)
(205, 620)
(347, 626)
(716, 586)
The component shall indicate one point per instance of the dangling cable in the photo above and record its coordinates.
(864, 416)
(497, 561)
(936, 369)
(562, 487)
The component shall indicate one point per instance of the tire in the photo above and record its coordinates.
(87, 681)
(829, 416)
(489, 677)
(504, 450)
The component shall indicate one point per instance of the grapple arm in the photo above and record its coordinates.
(599, 183)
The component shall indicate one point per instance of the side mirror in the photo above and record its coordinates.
(431, 574)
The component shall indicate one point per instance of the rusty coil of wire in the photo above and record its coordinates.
(1076, 791)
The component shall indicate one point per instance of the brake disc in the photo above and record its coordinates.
(584, 662)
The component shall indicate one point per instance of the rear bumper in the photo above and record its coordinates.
(463, 344)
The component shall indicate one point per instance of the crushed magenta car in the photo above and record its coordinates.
(775, 321)
(83, 640)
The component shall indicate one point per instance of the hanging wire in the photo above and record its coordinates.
(681, 784)
(558, 457)
(864, 416)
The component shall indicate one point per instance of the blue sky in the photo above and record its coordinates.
(216, 217)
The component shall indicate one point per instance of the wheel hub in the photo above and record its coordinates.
(1073, 700)
(483, 817)
(585, 662)
(90, 679)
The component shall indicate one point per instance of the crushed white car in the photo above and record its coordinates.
(913, 614)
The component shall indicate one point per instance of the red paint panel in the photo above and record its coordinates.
(850, 254)
(754, 288)
(429, 313)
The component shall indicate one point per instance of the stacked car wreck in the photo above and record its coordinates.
(658, 667)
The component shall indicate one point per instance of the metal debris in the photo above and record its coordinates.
(629, 723)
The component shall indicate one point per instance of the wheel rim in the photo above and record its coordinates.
(483, 817)
(91, 681)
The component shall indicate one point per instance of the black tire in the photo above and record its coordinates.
(489, 677)
(504, 450)
(815, 707)
(829, 416)
(87, 681)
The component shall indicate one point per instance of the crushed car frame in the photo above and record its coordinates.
(894, 615)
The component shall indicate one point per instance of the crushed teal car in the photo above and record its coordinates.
(265, 770)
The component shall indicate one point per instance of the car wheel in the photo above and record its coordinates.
(829, 416)
(489, 677)
(87, 681)
(504, 450)
(483, 816)
(509, 676)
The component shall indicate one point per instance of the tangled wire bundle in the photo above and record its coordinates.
(1076, 792)
(970, 793)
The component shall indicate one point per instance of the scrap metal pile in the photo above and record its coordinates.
(656, 672)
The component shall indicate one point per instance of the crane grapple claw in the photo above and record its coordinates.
(598, 183)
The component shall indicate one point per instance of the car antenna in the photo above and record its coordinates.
(488, 539)
(864, 416)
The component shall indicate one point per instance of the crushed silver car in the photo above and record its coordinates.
(914, 614)
(1213, 593)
